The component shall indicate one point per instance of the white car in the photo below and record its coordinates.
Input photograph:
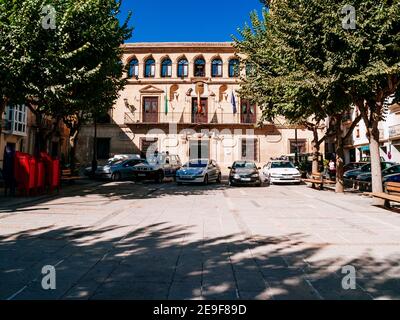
(281, 171)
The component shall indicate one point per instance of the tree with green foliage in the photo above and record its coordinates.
(367, 59)
(70, 57)
(288, 77)
(309, 65)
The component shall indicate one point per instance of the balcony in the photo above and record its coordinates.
(190, 118)
(394, 132)
(15, 122)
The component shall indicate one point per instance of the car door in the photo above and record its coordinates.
(213, 170)
(126, 171)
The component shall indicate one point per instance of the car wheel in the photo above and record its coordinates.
(219, 179)
(258, 184)
(205, 182)
(116, 176)
(159, 176)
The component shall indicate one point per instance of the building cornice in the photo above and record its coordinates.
(179, 47)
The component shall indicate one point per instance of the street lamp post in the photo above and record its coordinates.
(296, 149)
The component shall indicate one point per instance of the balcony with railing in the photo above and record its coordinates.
(190, 118)
(394, 132)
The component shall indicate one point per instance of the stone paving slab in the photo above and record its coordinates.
(162, 241)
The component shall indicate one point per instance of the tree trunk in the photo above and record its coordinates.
(339, 158)
(315, 148)
(72, 155)
(376, 171)
(40, 136)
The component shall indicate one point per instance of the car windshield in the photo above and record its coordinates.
(196, 164)
(115, 162)
(366, 168)
(244, 165)
(391, 170)
(281, 165)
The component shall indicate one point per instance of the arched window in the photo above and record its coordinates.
(183, 68)
(166, 68)
(200, 67)
(216, 68)
(150, 68)
(233, 68)
(133, 70)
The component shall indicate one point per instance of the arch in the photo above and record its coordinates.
(182, 67)
(149, 67)
(216, 67)
(166, 67)
(199, 66)
(234, 67)
(133, 67)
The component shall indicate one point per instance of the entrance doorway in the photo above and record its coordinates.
(199, 149)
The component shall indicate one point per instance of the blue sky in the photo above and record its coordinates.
(187, 20)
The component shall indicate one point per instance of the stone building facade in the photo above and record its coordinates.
(158, 109)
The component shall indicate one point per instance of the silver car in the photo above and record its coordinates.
(199, 171)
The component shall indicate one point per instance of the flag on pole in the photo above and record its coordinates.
(166, 100)
(199, 107)
(233, 102)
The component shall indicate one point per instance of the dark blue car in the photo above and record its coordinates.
(391, 178)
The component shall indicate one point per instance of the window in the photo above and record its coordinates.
(16, 119)
(133, 68)
(250, 149)
(233, 68)
(200, 67)
(183, 68)
(150, 109)
(148, 146)
(216, 68)
(150, 68)
(103, 148)
(166, 68)
(301, 146)
(247, 112)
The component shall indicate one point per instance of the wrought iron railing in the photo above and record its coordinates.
(190, 117)
(394, 131)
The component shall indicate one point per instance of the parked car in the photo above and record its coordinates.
(2, 182)
(244, 173)
(391, 178)
(367, 177)
(353, 174)
(122, 170)
(353, 166)
(157, 167)
(199, 171)
(103, 171)
(281, 172)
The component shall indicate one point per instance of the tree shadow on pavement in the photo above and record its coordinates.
(160, 261)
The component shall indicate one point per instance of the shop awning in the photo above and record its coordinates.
(364, 148)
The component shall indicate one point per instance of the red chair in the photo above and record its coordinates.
(22, 172)
(40, 176)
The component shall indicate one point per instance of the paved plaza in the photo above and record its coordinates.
(163, 241)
